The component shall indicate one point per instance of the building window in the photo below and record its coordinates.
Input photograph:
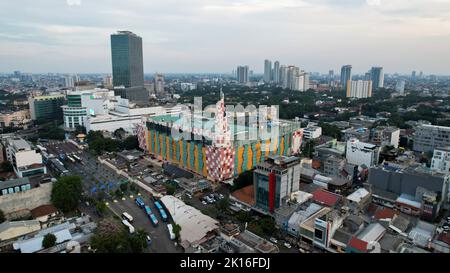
(318, 234)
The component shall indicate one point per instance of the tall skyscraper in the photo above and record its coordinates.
(346, 75)
(400, 87)
(292, 75)
(413, 75)
(377, 77)
(359, 89)
(284, 83)
(267, 71)
(127, 59)
(276, 72)
(69, 81)
(242, 74)
(159, 84)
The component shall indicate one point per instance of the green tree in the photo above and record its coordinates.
(100, 206)
(123, 187)
(2, 216)
(177, 230)
(66, 193)
(6, 166)
(49, 240)
(170, 189)
(110, 236)
(223, 204)
(138, 241)
(130, 143)
(267, 225)
(244, 216)
(243, 180)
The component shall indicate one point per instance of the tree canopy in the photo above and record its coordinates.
(49, 240)
(111, 236)
(66, 193)
(2, 216)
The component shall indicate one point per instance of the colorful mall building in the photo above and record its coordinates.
(207, 152)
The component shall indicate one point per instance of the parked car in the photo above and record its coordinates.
(149, 240)
(273, 240)
(287, 245)
(204, 203)
(189, 195)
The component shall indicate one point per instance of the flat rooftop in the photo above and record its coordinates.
(208, 124)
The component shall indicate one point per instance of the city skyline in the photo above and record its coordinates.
(207, 36)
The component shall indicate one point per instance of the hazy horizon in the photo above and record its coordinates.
(215, 36)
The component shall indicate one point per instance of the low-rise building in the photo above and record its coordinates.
(15, 118)
(385, 136)
(312, 132)
(196, 227)
(26, 160)
(416, 183)
(441, 160)
(359, 199)
(429, 137)
(361, 153)
(360, 133)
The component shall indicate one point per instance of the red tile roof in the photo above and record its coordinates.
(444, 238)
(358, 244)
(385, 213)
(246, 195)
(326, 198)
(43, 211)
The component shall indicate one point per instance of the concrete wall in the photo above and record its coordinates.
(26, 200)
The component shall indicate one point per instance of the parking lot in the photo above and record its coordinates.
(161, 242)
(95, 176)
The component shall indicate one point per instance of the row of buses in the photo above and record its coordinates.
(150, 213)
(127, 218)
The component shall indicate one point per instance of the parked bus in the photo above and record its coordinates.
(130, 226)
(127, 217)
(41, 148)
(152, 216)
(154, 220)
(171, 234)
(163, 215)
(139, 202)
(161, 211)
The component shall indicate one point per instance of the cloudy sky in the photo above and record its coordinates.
(72, 36)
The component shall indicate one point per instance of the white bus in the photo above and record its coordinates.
(130, 226)
(171, 234)
(42, 148)
(127, 217)
(71, 159)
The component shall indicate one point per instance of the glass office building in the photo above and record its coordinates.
(127, 59)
